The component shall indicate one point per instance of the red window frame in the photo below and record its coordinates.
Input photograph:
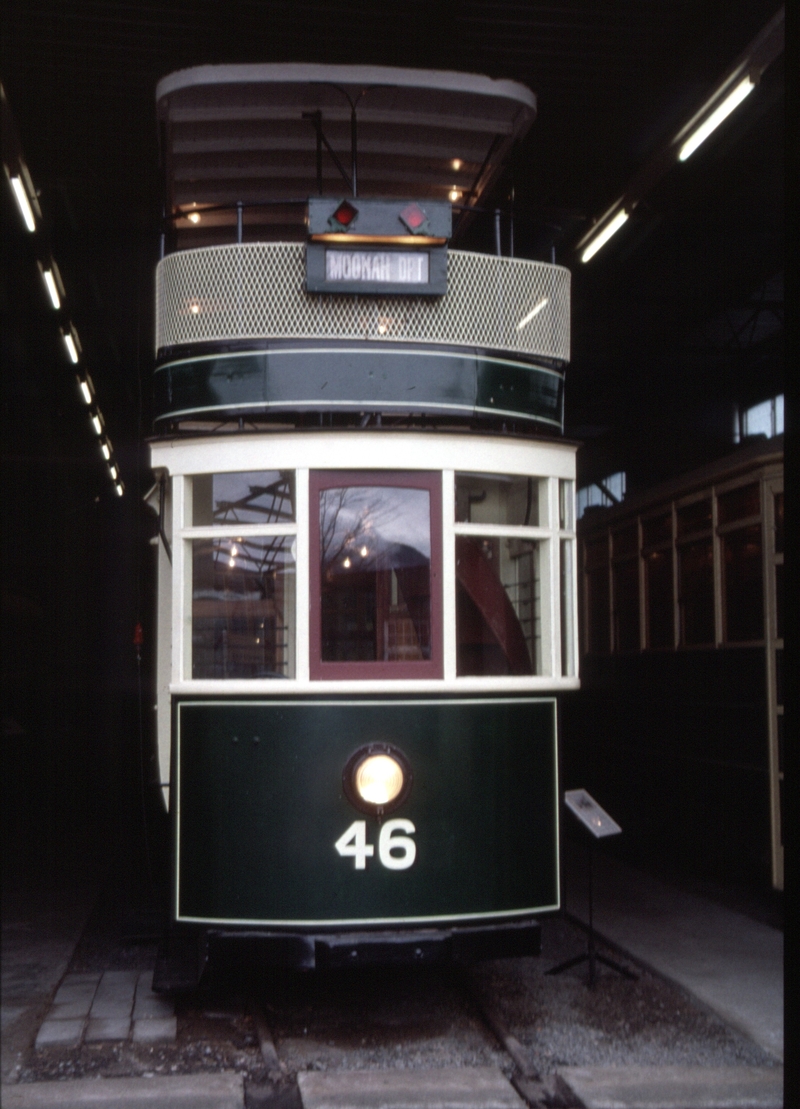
(377, 670)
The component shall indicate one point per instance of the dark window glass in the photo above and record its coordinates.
(497, 606)
(263, 497)
(626, 541)
(243, 607)
(626, 605)
(657, 530)
(596, 551)
(743, 592)
(738, 504)
(779, 600)
(375, 574)
(779, 523)
(497, 499)
(658, 568)
(779, 675)
(694, 517)
(696, 593)
(597, 605)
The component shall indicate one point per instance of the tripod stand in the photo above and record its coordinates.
(592, 956)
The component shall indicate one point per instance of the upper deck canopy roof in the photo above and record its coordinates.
(238, 133)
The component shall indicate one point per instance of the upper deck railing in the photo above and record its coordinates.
(256, 291)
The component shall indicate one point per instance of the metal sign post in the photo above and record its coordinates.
(599, 825)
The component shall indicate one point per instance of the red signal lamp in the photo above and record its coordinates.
(343, 217)
(414, 218)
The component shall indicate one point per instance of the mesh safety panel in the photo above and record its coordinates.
(257, 291)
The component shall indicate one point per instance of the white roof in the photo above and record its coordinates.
(238, 132)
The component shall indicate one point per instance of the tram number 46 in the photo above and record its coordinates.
(395, 850)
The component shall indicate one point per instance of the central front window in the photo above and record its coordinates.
(376, 575)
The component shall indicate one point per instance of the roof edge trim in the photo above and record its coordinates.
(302, 73)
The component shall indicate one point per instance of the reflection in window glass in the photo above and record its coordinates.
(498, 611)
(243, 607)
(566, 505)
(626, 605)
(658, 579)
(743, 592)
(597, 589)
(375, 574)
(696, 593)
(497, 499)
(626, 541)
(567, 608)
(694, 517)
(739, 503)
(263, 497)
(658, 529)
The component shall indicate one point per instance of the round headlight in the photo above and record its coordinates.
(377, 778)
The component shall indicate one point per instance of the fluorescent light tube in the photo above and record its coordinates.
(50, 282)
(533, 313)
(120, 488)
(98, 427)
(23, 202)
(104, 447)
(603, 237)
(69, 343)
(86, 392)
(732, 101)
(113, 471)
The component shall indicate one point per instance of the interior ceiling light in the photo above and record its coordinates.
(712, 122)
(112, 469)
(86, 389)
(106, 449)
(97, 423)
(194, 217)
(456, 164)
(23, 203)
(120, 488)
(604, 235)
(454, 195)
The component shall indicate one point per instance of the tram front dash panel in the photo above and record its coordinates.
(266, 834)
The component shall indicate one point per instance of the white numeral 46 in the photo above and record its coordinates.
(395, 850)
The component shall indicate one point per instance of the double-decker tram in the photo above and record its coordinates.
(367, 546)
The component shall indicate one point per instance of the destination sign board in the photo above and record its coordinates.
(385, 266)
(376, 269)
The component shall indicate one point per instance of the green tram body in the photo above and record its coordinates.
(366, 545)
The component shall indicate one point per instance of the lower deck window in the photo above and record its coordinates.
(498, 606)
(243, 607)
(377, 556)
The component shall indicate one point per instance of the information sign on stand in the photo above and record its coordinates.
(599, 825)
(595, 819)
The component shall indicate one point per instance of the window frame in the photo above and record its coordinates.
(378, 670)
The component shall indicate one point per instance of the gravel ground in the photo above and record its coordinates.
(392, 1018)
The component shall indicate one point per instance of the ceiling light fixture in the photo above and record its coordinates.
(71, 344)
(120, 488)
(97, 423)
(604, 235)
(456, 164)
(106, 449)
(194, 217)
(712, 122)
(50, 282)
(23, 203)
(454, 195)
(86, 389)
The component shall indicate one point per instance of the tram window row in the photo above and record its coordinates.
(339, 575)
